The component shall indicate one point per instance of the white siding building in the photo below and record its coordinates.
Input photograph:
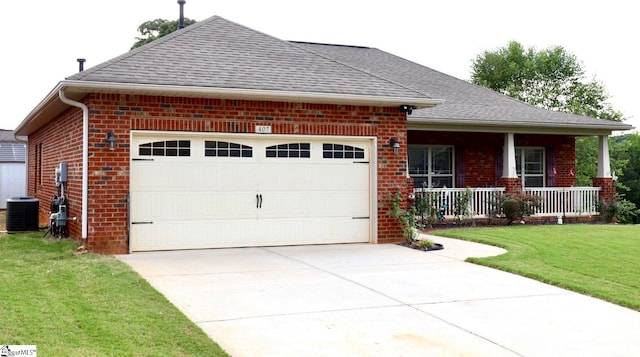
(13, 168)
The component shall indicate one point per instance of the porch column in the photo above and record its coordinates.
(509, 157)
(603, 178)
(604, 167)
(509, 178)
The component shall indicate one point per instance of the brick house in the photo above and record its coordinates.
(221, 136)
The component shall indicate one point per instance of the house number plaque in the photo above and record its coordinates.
(263, 129)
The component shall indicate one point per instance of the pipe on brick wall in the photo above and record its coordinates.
(85, 160)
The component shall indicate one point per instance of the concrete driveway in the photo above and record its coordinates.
(381, 300)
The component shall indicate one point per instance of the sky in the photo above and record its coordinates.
(43, 38)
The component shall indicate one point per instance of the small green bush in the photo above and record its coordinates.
(425, 244)
(514, 206)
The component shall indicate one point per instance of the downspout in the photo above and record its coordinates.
(85, 160)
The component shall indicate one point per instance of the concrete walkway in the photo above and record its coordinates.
(381, 300)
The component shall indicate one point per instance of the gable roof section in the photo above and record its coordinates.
(7, 136)
(465, 103)
(217, 53)
(216, 58)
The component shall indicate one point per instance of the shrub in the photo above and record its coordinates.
(407, 218)
(424, 244)
(620, 210)
(426, 207)
(514, 206)
(462, 203)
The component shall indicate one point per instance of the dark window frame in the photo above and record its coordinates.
(297, 150)
(219, 148)
(166, 148)
(342, 151)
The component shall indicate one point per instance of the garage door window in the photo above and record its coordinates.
(226, 149)
(339, 151)
(293, 150)
(166, 148)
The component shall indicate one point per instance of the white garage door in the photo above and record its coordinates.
(191, 191)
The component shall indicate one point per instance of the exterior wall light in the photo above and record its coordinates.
(395, 145)
(111, 139)
(406, 108)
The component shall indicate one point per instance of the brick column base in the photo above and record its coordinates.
(511, 184)
(607, 196)
(607, 188)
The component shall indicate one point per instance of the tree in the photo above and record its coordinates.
(552, 79)
(631, 177)
(154, 29)
(626, 150)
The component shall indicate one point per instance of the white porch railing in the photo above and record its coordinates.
(555, 201)
(445, 199)
(566, 201)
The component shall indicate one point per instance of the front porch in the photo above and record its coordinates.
(478, 203)
(460, 175)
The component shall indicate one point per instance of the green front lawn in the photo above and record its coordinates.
(87, 305)
(597, 260)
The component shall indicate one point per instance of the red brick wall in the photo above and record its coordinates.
(61, 141)
(109, 170)
(564, 154)
(481, 149)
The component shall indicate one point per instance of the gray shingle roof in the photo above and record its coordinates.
(465, 103)
(11, 149)
(7, 136)
(221, 54)
(217, 53)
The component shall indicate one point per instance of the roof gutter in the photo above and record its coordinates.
(85, 159)
(255, 94)
(77, 89)
(582, 129)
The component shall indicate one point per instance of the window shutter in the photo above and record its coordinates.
(551, 177)
(459, 167)
(498, 169)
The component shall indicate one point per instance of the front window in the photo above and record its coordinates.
(530, 166)
(431, 166)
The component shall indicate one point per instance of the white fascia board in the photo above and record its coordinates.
(85, 87)
(253, 94)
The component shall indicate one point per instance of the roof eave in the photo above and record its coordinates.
(51, 104)
(516, 127)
